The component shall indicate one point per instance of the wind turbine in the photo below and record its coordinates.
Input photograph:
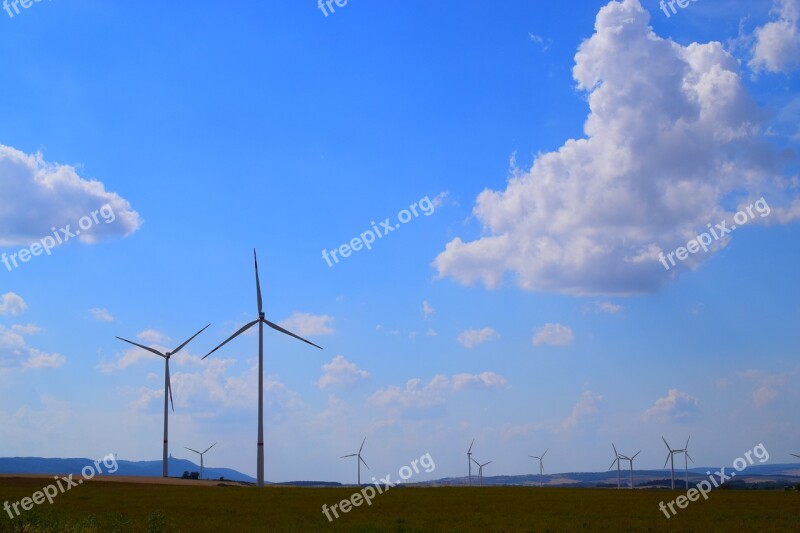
(686, 459)
(469, 461)
(671, 460)
(359, 461)
(617, 457)
(261, 320)
(480, 469)
(201, 457)
(167, 388)
(631, 461)
(541, 466)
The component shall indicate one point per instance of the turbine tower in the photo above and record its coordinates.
(671, 460)
(480, 469)
(167, 390)
(631, 461)
(686, 459)
(541, 465)
(359, 460)
(261, 320)
(616, 461)
(201, 457)
(469, 461)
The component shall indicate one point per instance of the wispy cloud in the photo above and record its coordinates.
(554, 335)
(474, 337)
(306, 324)
(101, 315)
(12, 304)
(341, 373)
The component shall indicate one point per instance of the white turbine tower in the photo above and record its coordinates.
(631, 461)
(167, 390)
(201, 454)
(671, 460)
(469, 461)
(480, 469)
(541, 465)
(617, 457)
(261, 320)
(359, 460)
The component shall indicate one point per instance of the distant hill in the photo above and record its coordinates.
(40, 465)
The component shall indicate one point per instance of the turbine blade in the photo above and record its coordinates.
(637, 453)
(612, 463)
(490, 462)
(615, 449)
(179, 348)
(363, 461)
(690, 457)
(362, 444)
(143, 347)
(687, 443)
(474, 461)
(210, 447)
(191, 450)
(258, 283)
(470, 446)
(665, 443)
(351, 455)
(287, 332)
(793, 455)
(169, 387)
(545, 452)
(242, 330)
(665, 462)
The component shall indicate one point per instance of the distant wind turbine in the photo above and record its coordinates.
(469, 461)
(541, 465)
(359, 460)
(793, 455)
(671, 460)
(616, 461)
(201, 457)
(167, 389)
(631, 461)
(261, 320)
(480, 469)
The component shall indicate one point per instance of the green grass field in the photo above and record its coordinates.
(106, 506)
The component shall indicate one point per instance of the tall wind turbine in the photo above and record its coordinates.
(469, 461)
(617, 458)
(671, 460)
(480, 469)
(261, 320)
(541, 465)
(359, 460)
(167, 389)
(631, 461)
(686, 459)
(201, 457)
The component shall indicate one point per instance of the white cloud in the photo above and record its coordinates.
(431, 333)
(673, 140)
(15, 352)
(417, 397)
(50, 195)
(484, 380)
(101, 315)
(305, 324)
(427, 310)
(677, 406)
(541, 41)
(777, 43)
(26, 330)
(767, 386)
(341, 373)
(154, 336)
(604, 307)
(586, 408)
(554, 335)
(473, 337)
(12, 304)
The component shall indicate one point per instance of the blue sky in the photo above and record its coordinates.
(562, 149)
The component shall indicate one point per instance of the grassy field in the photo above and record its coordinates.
(108, 506)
